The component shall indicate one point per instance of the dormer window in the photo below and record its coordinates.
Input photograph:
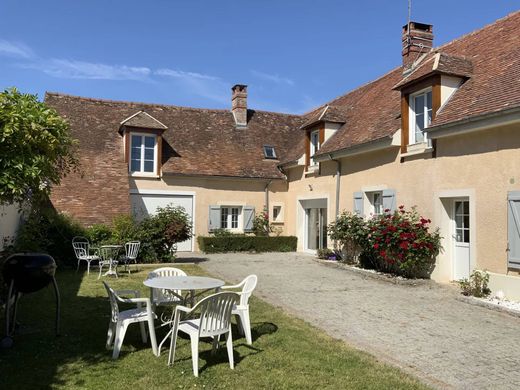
(143, 157)
(314, 144)
(420, 115)
(269, 152)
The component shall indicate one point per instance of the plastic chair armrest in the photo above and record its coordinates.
(135, 293)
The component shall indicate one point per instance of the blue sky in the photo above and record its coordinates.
(293, 54)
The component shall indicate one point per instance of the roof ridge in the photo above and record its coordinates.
(474, 32)
(141, 104)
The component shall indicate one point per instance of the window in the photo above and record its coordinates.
(277, 215)
(230, 217)
(314, 144)
(420, 116)
(143, 152)
(269, 152)
(376, 201)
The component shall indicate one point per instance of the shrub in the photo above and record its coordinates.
(99, 234)
(45, 230)
(351, 232)
(224, 233)
(327, 254)
(477, 285)
(160, 232)
(261, 226)
(401, 243)
(236, 243)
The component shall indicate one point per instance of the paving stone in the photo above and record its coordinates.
(423, 329)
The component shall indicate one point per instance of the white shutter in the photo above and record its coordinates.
(358, 203)
(249, 216)
(389, 200)
(213, 218)
(513, 229)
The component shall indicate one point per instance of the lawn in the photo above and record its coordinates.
(287, 353)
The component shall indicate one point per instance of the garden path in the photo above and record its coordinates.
(423, 329)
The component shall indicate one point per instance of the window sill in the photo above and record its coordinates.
(144, 175)
(417, 149)
(277, 222)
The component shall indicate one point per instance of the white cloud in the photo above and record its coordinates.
(15, 49)
(275, 78)
(180, 74)
(73, 69)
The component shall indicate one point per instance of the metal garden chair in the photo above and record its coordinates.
(83, 251)
(131, 252)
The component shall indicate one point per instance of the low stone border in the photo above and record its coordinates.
(376, 275)
(488, 305)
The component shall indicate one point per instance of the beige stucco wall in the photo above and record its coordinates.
(216, 191)
(482, 166)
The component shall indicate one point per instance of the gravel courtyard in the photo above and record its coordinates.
(422, 329)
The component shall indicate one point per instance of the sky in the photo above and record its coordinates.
(293, 54)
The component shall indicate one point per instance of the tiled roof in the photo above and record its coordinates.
(490, 56)
(438, 63)
(198, 141)
(328, 113)
(143, 120)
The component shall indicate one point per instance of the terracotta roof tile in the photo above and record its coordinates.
(144, 120)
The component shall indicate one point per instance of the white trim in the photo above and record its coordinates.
(301, 232)
(143, 112)
(412, 115)
(155, 172)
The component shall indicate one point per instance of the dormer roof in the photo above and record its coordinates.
(142, 119)
(327, 113)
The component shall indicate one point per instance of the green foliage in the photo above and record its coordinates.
(327, 254)
(36, 149)
(401, 243)
(477, 285)
(224, 233)
(160, 233)
(45, 230)
(236, 243)
(100, 234)
(261, 226)
(350, 231)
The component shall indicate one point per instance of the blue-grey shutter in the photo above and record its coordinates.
(513, 229)
(249, 216)
(213, 218)
(358, 203)
(389, 200)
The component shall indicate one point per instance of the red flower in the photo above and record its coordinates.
(401, 207)
(382, 253)
(404, 245)
(376, 246)
(387, 210)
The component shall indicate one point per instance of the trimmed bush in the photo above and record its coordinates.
(239, 243)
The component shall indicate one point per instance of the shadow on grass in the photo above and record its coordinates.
(191, 259)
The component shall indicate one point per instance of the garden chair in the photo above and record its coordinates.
(121, 319)
(83, 250)
(161, 297)
(242, 309)
(131, 251)
(214, 321)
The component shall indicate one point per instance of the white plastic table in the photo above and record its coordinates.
(189, 283)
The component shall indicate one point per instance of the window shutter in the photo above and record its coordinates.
(389, 200)
(249, 216)
(213, 218)
(513, 229)
(358, 203)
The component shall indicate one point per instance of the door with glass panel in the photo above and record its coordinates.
(316, 227)
(461, 239)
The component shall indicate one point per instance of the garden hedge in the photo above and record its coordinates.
(239, 243)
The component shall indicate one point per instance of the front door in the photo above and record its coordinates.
(461, 239)
(316, 227)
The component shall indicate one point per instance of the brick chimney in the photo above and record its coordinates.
(417, 39)
(239, 104)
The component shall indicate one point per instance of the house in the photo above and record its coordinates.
(442, 132)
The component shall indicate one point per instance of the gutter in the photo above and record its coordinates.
(475, 123)
(370, 146)
(267, 196)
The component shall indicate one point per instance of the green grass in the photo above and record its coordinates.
(287, 353)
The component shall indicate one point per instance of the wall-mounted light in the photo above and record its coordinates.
(310, 187)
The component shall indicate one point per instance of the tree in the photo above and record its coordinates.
(36, 148)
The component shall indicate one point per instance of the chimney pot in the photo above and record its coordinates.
(239, 104)
(417, 39)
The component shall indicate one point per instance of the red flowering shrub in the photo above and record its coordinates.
(401, 243)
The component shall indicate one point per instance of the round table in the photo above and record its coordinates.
(190, 283)
(108, 255)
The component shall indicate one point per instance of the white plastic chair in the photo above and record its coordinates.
(82, 250)
(121, 319)
(131, 252)
(242, 310)
(214, 320)
(163, 296)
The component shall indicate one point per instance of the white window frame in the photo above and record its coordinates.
(141, 172)
(280, 217)
(411, 130)
(229, 218)
(372, 201)
(271, 148)
(314, 147)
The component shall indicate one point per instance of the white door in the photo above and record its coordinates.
(461, 239)
(146, 204)
(316, 228)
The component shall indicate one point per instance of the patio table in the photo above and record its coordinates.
(108, 253)
(189, 283)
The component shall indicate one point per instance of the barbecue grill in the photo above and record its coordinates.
(26, 273)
